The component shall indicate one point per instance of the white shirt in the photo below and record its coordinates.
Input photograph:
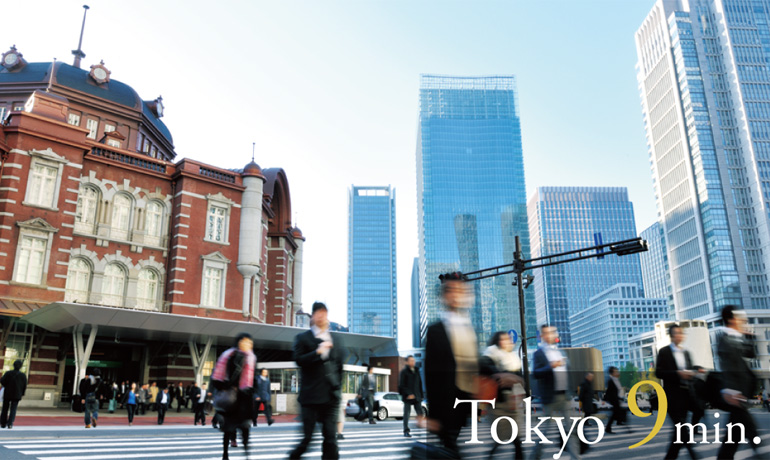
(203, 395)
(681, 362)
(559, 373)
(324, 335)
(164, 399)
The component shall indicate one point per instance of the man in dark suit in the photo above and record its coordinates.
(179, 395)
(368, 388)
(586, 395)
(613, 395)
(550, 370)
(164, 400)
(674, 367)
(199, 396)
(262, 398)
(451, 363)
(319, 355)
(738, 380)
(410, 389)
(15, 384)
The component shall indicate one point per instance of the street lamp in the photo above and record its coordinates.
(520, 265)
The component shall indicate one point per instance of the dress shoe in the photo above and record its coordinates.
(233, 443)
(270, 422)
(88, 426)
(407, 434)
(372, 422)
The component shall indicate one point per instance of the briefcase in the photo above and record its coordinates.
(425, 451)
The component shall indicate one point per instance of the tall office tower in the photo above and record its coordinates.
(471, 199)
(416, 341)
(655, 274)
(372, 307)
(704, 81)
(563, 219)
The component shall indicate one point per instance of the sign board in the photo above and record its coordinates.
(280, 403)
(275, 386)
(513, 335)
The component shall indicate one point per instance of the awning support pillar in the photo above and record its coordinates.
(199, 359)
(82, 353)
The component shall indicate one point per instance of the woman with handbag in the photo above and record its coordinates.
(235, 380)
(130, 399)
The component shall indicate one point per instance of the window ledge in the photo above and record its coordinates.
(33, 285)
(41, 206)
(225, 243)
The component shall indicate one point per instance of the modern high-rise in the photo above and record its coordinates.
(471, 199)
(372, 307)
(415, 291)
(654, 261)
(564, 219)
(704, 79)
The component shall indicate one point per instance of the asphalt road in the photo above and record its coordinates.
(362, 441)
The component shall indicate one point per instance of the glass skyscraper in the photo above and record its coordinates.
(471, 197)
(655, 274)
(372, 307)
(416, 339)
(563, 219)
(704, 78)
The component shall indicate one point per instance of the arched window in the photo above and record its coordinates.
(113, 285)
(121, 215)
(154, 220)
(88, 203)
(147, 289)
(78, 281)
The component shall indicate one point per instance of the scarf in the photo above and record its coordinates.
(247, 372)
(504, 360)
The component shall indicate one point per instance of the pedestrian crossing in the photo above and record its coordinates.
(382, 442)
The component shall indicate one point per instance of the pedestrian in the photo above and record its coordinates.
(262, 398)
(180, 397)
(200, 396)
(164, 401)
(114, 393)
(410, 389)
(153, 395)
(341, 419)
(586, 397)
(90, 392)
(368, 388)
(451, 364)
(319, 355)
(674, 367)
(143, 398)
(614, 395)
(735, 346)
(503, 365)
(551, 371)
(14, 385)
(766, 399)
(234, 375)
(130, 400)
(189, 396)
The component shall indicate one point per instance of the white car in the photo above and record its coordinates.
(386, 405)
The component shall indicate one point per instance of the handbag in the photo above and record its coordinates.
(224, 400)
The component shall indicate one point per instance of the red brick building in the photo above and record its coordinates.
(96, 212)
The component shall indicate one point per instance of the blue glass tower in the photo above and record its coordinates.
(471, 197)
(372, 307)
(563, 219)
(655, 272)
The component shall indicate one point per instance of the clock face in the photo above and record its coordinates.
(10, 59)
(100, 73)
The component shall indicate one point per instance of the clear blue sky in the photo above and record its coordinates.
(328, 91)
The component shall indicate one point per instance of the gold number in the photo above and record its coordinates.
(662, 409)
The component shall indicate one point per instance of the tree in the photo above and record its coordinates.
(629, 375)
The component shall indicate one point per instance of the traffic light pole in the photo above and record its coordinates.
(520, 265)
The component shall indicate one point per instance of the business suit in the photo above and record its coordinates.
(368, 387)
(733, 350)
(410, 383)
(612, 396)
(198, 406)
(680, 396)
(262, 396)
(15, 384)
(164, 400)
(586, 393)
(441, 384)
(320, 391)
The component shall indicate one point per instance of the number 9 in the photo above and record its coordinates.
(662, 409)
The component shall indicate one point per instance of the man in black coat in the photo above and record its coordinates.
(586, 395)
(15, 384)
(613, 396)
(367, 390)
(451, 363)
(738, 380)
(410, 389)
(164, 401)
(90, 392)
(674, 367)
(319, 355)
(199, 396)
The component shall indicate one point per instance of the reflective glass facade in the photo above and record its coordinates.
(563, 219)
(372, 307)
(471, 197)
(704, 76)
(416, 341)
(657, 281)
(612, 318)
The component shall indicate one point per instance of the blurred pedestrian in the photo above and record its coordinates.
(130, 400)
(319, 356)
(262, 398)
(14, 385)
(367, 390)
(551, 370)
(766, 399)
(164, 401)
(90, 392)
(235, 377)
(410, 388)
(153, 395)
(614, 395)
(735, 346)
(674, 367)
(502, 364)
(586, 397)
(114, 394)
(451, 364)
(199, 398)
(143, 398)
